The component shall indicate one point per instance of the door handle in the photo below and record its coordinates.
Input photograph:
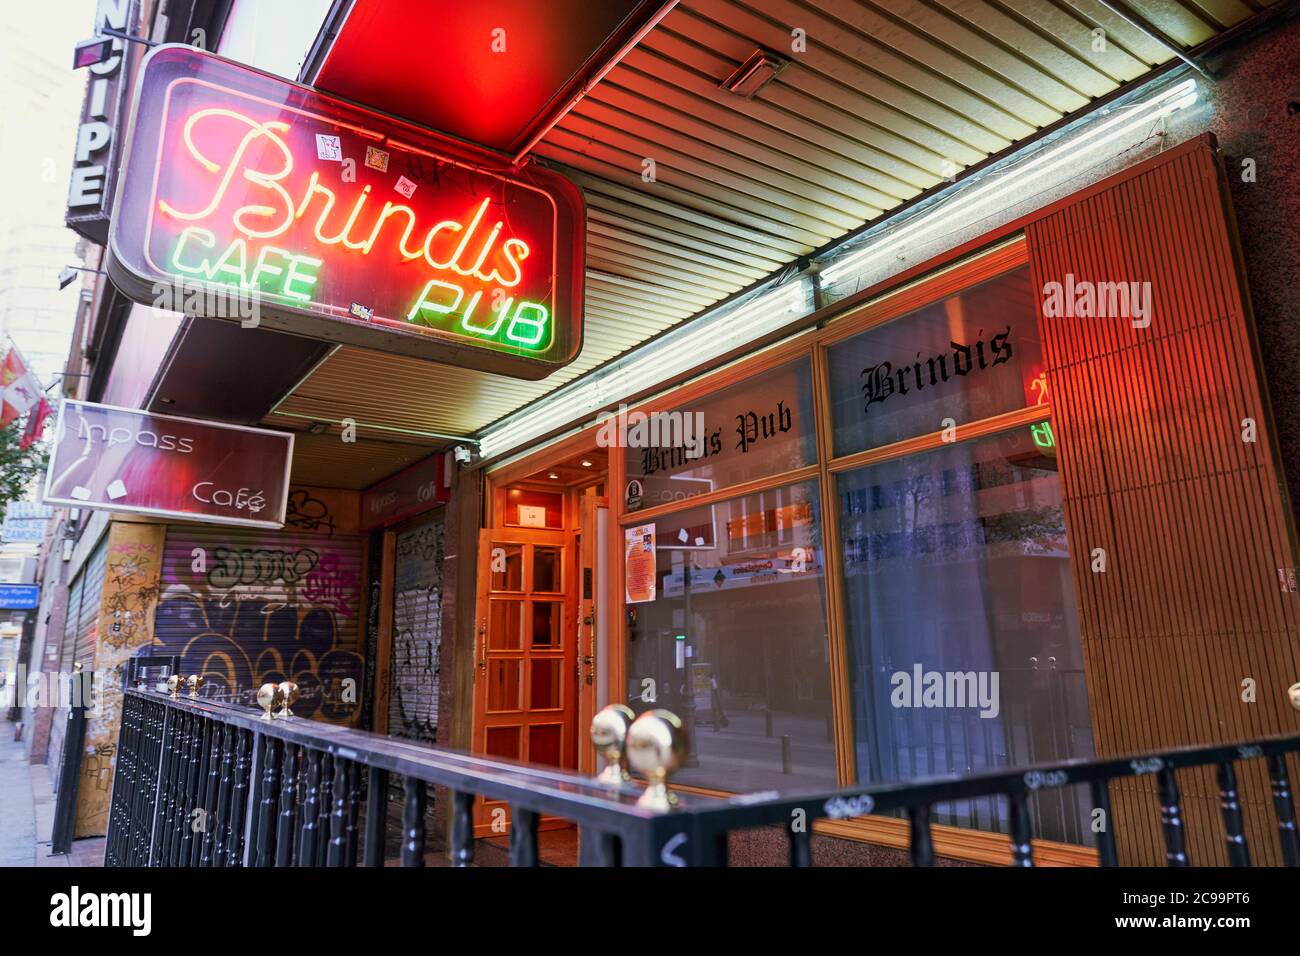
(482, 644)
(590, 659)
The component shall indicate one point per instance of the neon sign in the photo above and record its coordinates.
(344, 224)
(1042, 431)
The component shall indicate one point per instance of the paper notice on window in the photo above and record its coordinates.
(639, 564)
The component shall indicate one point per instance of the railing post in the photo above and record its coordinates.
(211, 790)
(193, 784)
(413, 823)
(800, 843)
(338, 843)
(596, 847)
(164, 728)
(376, 815)
(354, 810)
(1106, 850)
(309, 832)
(324, 805)
(462, 828)
(1022, 832)
(119, 822)
(523, 837)
(169, 835)
(1284, 807)
(1233, 825)
(922, 843)
(288, 819)
(225, 788)
(266, 810)
(1171, 818)
(243, 809)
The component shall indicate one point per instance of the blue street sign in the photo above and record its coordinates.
(19, 597)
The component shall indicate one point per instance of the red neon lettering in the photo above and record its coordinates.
(474, 242)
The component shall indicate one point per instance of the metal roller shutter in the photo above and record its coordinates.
(243, 607)
(417, 632)
(87, 619)
(68, 648)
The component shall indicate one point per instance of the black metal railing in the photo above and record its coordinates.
(203, 783)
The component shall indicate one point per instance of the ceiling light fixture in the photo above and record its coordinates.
(553, 476)
(754, 74)
(585, 463)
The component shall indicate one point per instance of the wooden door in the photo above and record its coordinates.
(525, 667)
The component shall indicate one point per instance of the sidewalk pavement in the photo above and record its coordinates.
(27, 813)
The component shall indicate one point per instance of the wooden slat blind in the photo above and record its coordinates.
(1193, 519)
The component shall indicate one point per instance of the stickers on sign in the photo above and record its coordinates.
(404, 186)
(357, 310)
(635, 492)
(329, 147)
(377, 158)
(116, 490)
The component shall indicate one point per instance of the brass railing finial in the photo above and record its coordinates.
(288, 694)
(656, 747)
(609, 735)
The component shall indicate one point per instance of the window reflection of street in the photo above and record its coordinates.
(736, 643)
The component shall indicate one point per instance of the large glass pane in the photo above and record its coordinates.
(507, 567)
(544, 744)
(960, 614)
(546, 623)
(504, 684)
(968, 357)
(757, 427)
(735, 642)
(505, 632)
(503, 742)
(546, 569)
(544, 685)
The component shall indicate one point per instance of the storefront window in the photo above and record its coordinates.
(962, 636)
(734, 639)
(756, 428)
(970, 356)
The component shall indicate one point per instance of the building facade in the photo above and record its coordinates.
(950, 469)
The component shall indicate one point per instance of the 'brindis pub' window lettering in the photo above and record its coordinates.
(346, 225)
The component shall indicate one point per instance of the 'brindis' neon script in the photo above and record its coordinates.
(463, 247)
(330, 212)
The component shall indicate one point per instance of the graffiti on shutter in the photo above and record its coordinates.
(244, 607)
(417, 633)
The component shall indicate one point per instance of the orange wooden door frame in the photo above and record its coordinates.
(588, 598)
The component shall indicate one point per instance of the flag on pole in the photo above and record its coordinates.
(35, 424)
(20, 388)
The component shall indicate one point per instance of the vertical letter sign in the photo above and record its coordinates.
(341, 223)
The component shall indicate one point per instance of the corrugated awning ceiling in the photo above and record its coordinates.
(695, 193)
